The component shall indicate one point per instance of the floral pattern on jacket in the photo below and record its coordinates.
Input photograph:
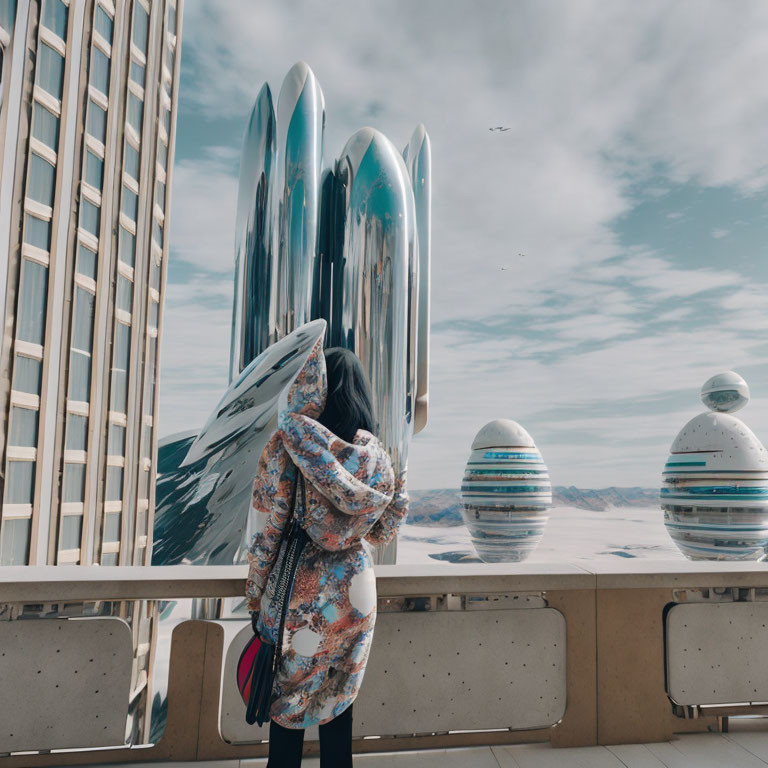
(352, 494)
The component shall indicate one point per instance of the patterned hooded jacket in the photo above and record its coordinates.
(353, 498)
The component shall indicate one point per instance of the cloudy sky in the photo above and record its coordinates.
(627, 204)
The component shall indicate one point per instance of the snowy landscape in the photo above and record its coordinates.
(596, 528)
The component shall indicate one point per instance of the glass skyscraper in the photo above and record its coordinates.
(88, 95)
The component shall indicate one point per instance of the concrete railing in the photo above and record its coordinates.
(574, 654)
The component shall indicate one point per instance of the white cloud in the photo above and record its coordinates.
(476, 383)
(599, 98)
(203, 211)
(194, 356)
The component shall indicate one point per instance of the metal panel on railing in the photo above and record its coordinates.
(431, 671)
(463, 670)
(66, 683)
(716, 653)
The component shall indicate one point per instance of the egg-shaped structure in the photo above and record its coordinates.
(506, 493)
(715, 490)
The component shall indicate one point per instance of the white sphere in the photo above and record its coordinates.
(726, 392)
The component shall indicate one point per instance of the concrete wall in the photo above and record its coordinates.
(563, 653)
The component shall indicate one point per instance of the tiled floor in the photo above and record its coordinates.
(742, 748)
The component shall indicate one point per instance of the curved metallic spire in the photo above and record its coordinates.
(378, 255)
(418, 160)
(253, 238)
(300, 127)
(348, 248)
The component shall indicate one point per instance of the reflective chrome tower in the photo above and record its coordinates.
(253, 236)
(418, 160)
(348, 244)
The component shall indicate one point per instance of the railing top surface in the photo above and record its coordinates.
(43, 583)
(677, 573)
(72, 583)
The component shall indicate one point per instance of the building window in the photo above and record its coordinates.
(157, 232)
(141, 518)
(166, 120)
(74, 483)
(154, 272)
(140, 26)
(8, 15)
(23, 427)
(116, 440)
(100, 71)
(49, 73)
(77, 432)
(104, 24)
(20, 483)
(120, 367)
(94, 170)
(130, 205)
(54, 17)
(153, 312)
(135, 111)
(41, 180)
(23, 431)
(45, 126)
(33, 300)
(37, 232)
(124, 294)
(27, 372)
(150, 397)
(138, 72)
(79, 376)
(114, 493)
(172, 19)
(146, 451)
(162, 155)
(109, 558)
(127, 247)
(71, 532)
(14, 549)
(86, 261)
(161, 194)
(97, 122)
(90, 217)
(82, 346)
(82, 337)
(131, 165)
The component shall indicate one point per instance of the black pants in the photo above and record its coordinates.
(285, 744)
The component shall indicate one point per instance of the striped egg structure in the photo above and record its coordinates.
(715, 490)
(506, 493)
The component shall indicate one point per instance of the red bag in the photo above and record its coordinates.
(245, 667)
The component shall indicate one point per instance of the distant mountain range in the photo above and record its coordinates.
(442, 506)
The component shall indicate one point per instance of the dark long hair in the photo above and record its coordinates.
(349, 405)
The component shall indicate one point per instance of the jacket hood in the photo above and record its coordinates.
(307, 392)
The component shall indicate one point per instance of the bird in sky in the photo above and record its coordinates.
(499, 128)
(519, 254)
